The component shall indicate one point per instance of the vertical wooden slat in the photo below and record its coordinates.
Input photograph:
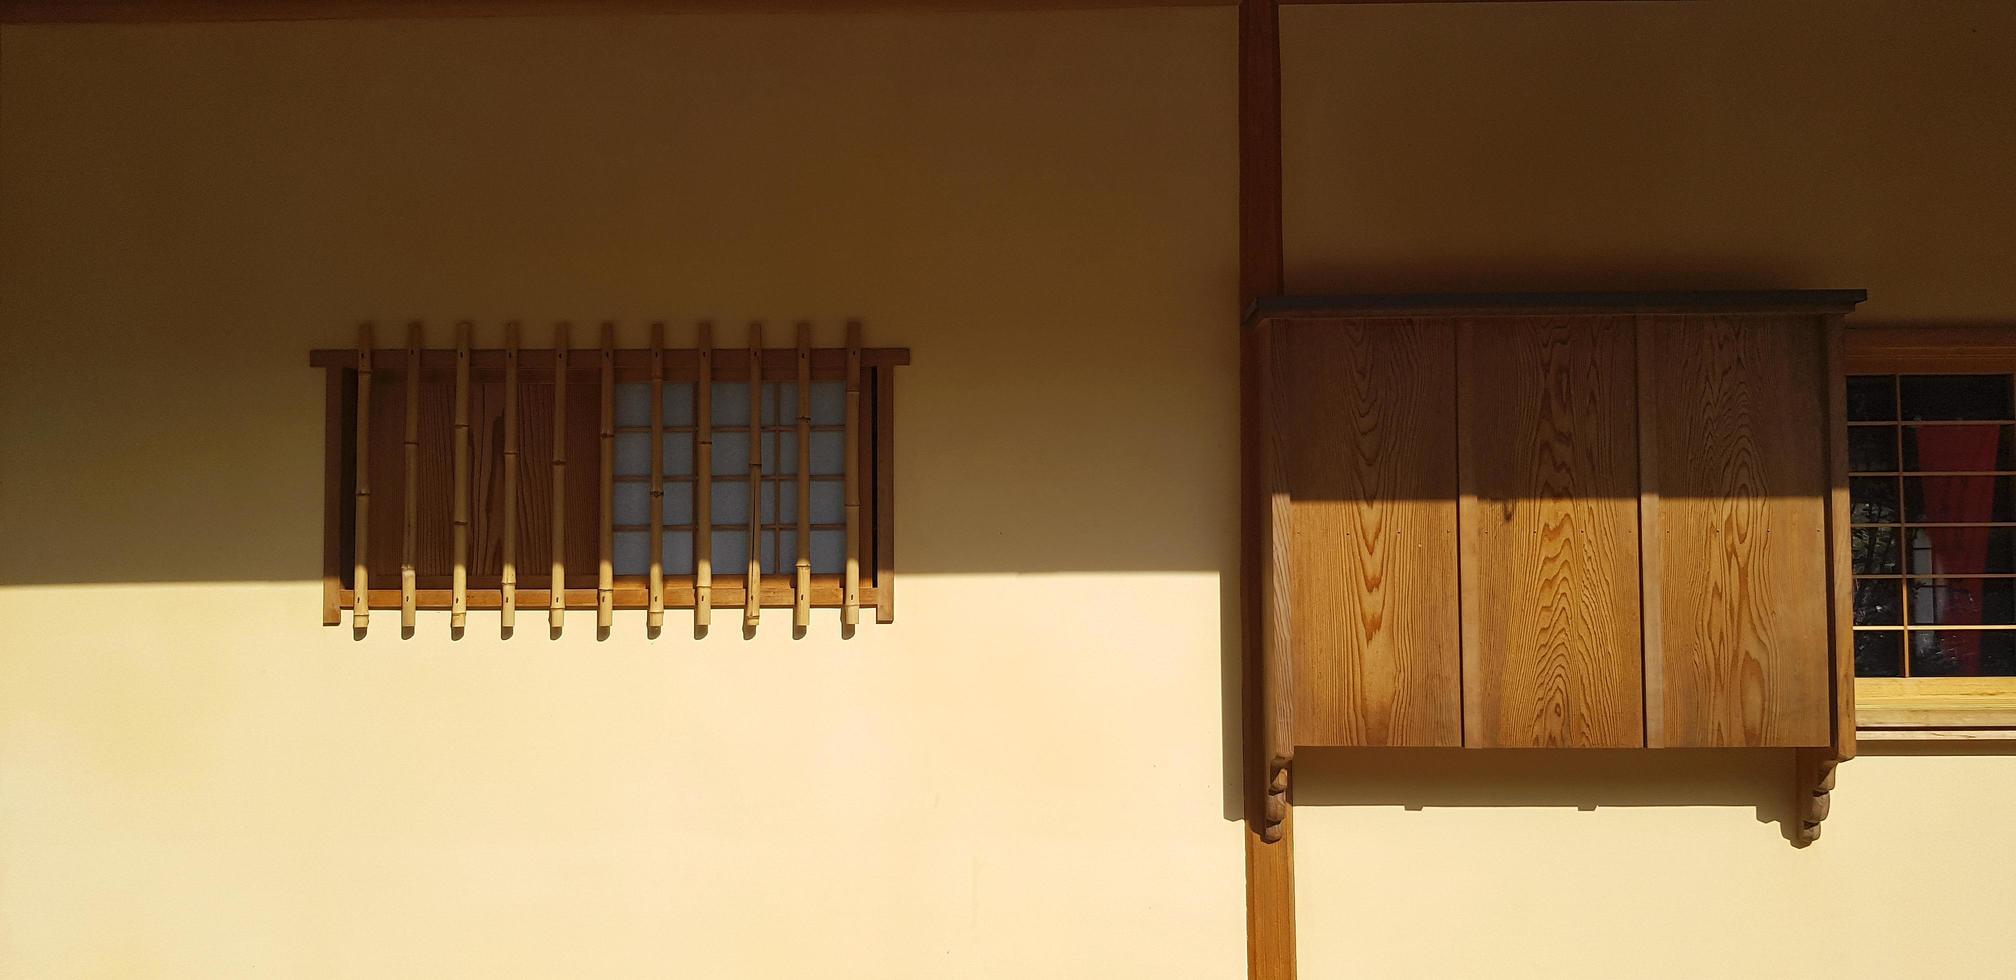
(409, 533)
(654, 616)
(605, 573)
(1652, 631)
(801, 608)
(1277, 598)
(885, 494)
(332, 496)
(556, 605)
(703, 482)
(508, 600)
(360, 575)
(752, 602)
(458, 603)
(1839, 547)
(850, 597)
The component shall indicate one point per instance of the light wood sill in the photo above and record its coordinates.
(1951, 707)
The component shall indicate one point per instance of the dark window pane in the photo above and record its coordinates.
(1959, 550)
(1872, 397)
(1873, 500)
(1958, 499)
(1963, 653)
(1949, 448)
(1877, 602)
(1875, 550)
(1879, 653)
(1954, 396)
(1872, 448)
(1962, 601)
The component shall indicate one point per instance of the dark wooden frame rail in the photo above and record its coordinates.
(867, 580)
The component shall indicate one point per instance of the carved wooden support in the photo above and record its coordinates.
(1815, 784)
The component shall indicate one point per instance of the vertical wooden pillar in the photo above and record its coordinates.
(1270, 863)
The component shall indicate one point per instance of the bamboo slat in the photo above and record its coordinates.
(850, 602)
(703, 489)
(752, 608)
(605, 563)
(801, 609)
(458, 611)
(360, 581)
(508, 601)
(655, 616)
(556, 608)
(409, 532)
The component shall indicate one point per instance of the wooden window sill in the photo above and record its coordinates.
(1923, 704)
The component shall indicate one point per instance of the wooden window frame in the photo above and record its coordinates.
(875, 464)
(1934, 707)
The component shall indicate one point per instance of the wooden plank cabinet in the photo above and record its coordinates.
(1554, 520)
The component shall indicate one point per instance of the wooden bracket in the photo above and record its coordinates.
(1814, 781)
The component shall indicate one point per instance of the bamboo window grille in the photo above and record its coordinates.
(639, 479)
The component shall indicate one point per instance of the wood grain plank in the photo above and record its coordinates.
(1554, 463)
(1651, 635)
(1371, 470)
(1742, 523)
(1840, 551)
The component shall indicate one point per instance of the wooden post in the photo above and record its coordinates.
(850, 595)
(801, 607)
(507, 606)
(1270, 859)
(752, 601)
(458, 604)
(605, 574)
(654, 616)
(703, 482)
(556, 602)
(409, 531)
(360, 574)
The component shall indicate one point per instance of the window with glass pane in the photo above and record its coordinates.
(778, 497)
(1932, 496)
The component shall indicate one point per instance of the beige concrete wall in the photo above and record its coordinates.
(1454, 147)
(1025, 775)
(1022, 777)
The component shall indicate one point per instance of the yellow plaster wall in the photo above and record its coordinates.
(1022, 777)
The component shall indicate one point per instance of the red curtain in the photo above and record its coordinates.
(1959, 551)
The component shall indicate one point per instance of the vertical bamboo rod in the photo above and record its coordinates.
(409, 529)
(507, 607)
(752, 592)
(654, 616)
(703, 482)
(556, 603)
(605, 572)
(458, 605)
(850, 597)
(801, 609)
(360, 575)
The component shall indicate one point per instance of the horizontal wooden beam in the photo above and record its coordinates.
(178, 11)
